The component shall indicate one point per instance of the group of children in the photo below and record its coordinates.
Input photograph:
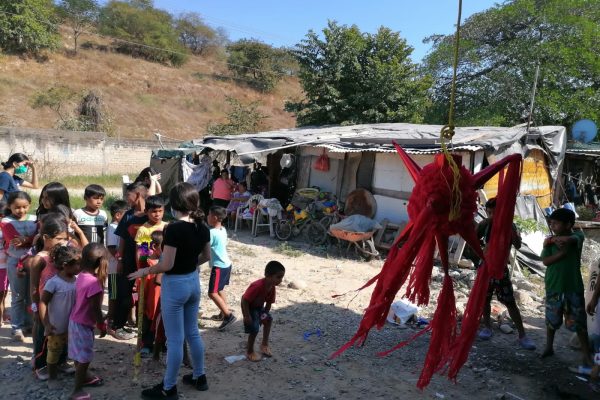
(43, 257)
(57, 263)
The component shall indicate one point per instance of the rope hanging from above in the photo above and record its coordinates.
(447, 132)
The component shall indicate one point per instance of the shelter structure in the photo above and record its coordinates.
(362, 156)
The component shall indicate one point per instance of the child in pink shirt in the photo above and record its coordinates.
(86, 314)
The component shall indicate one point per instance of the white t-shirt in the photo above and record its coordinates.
(92, 225)
(112, 240)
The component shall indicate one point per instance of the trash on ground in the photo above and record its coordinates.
(235, 358)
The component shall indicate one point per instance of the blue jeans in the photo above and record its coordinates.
(19, 296)
(179, 302)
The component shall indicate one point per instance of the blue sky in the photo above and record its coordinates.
(285, 23)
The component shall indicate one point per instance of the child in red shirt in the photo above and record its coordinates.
(256, 304)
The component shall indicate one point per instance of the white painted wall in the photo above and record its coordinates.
(390, 173)
(326, 181)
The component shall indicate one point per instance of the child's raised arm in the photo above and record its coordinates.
(83, 241)
(562, 241)
(555, 257)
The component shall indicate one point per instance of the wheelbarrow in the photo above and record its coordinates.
(362, 242)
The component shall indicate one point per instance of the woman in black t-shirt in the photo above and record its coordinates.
(186, 246)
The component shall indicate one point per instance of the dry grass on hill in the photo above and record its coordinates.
(142, 97)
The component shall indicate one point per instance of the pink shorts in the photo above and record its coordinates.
(3, 280)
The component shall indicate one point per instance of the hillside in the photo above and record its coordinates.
(141, 97)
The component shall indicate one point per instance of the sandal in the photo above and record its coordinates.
(94, 382)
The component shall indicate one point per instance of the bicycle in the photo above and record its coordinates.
(315, 232)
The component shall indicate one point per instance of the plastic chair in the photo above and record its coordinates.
(239, 216)
(262, 217)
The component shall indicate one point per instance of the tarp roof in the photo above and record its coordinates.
(416, 139)
(374, 137)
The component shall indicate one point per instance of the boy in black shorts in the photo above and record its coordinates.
(256, 307)
(220, 266)
(501, 287)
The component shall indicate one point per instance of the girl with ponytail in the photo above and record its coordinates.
(186, 246)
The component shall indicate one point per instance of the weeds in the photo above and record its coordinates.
(146, 99)
(81, 181)
(245, 251)
(76, 202)
(287, 250)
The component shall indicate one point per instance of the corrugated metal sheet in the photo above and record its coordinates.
(535, 179)
(385, 149)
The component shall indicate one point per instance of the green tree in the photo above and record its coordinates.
(196, 35)
(146, 31)
(500, 50)
(55, 98)
(256, 62)
(89, 115)
(350, 77)
(79, 15)
(27, 26)
(241, 118)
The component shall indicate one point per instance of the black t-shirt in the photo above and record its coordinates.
(189, 240)
(126, 230)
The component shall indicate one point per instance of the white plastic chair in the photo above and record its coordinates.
(239, 215)
(262, 217)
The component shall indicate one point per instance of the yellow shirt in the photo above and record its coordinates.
(144, 233)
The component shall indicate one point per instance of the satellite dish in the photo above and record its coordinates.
(584, 130)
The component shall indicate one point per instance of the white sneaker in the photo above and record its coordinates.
(18, 335)
(42, 374)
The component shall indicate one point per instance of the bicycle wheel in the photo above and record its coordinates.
(326, 221)
(283, 230)
(316, 233)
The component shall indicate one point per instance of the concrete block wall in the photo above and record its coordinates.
(63, 153)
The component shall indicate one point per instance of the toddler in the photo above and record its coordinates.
(57, 301)
(87, 313)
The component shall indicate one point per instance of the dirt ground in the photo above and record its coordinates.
(300, 368)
